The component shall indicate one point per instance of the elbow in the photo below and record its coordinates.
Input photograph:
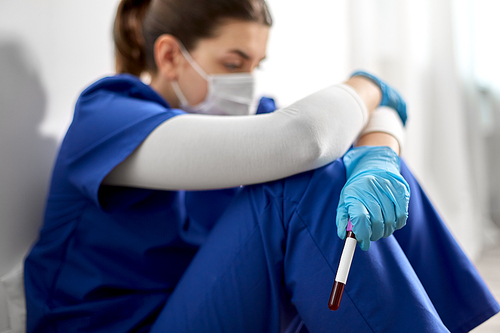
(314, 151)
(310, 144)
(321, 150)
(317, 144)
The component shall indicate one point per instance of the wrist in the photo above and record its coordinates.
(379, 139)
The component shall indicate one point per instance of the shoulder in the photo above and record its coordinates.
(121, 85)
(115, 110)
(122, 96)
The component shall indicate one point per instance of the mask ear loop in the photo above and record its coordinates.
(175, 85)
(179, 94)
(192, 62)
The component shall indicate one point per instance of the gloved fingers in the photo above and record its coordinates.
(377, 222)
(401, 216)
(342, 219)
(401, 203)
(389, 214)
(390, 96)
(389, 228)
(397, 102)
(361, 223)
(383, 215)
(374, 200)
(402, 111)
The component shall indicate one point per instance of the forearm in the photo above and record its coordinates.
(368, 91)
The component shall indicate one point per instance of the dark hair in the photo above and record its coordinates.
(139, 23)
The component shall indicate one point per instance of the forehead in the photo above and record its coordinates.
(248, 37)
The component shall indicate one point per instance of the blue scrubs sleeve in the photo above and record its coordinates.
(107, 127)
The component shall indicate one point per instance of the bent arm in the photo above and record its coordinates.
(197, 152)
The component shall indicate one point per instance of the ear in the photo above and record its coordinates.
(168, 57)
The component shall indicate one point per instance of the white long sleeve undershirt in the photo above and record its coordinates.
(386, 120)
(198, 152)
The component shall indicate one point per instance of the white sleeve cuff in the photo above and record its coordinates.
(385, 119)
(359, 101)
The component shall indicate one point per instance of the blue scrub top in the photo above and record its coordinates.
(107, 247)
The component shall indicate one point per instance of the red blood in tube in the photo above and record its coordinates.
(336, 295)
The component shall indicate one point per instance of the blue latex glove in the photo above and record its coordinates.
(375, 195)
(266, 105)
(390, 97)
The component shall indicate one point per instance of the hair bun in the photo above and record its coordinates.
(127, 33)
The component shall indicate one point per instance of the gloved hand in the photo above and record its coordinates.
(390, 97)
(375, 195)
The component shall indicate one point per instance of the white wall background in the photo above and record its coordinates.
(52, 49)
(49, 51)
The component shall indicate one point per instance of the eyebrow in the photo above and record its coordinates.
(243, 54)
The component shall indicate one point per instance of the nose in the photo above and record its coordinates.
(253, 66)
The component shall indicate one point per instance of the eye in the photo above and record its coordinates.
(232, 66)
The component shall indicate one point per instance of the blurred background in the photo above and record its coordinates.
(442, 55)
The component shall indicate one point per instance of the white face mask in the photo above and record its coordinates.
(228, 94)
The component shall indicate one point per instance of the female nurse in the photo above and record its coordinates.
(117, 249)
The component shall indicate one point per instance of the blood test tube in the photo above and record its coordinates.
(343, 269)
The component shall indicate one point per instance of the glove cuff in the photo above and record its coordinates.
(365, 158)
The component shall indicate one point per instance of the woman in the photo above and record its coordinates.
(117, 248)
